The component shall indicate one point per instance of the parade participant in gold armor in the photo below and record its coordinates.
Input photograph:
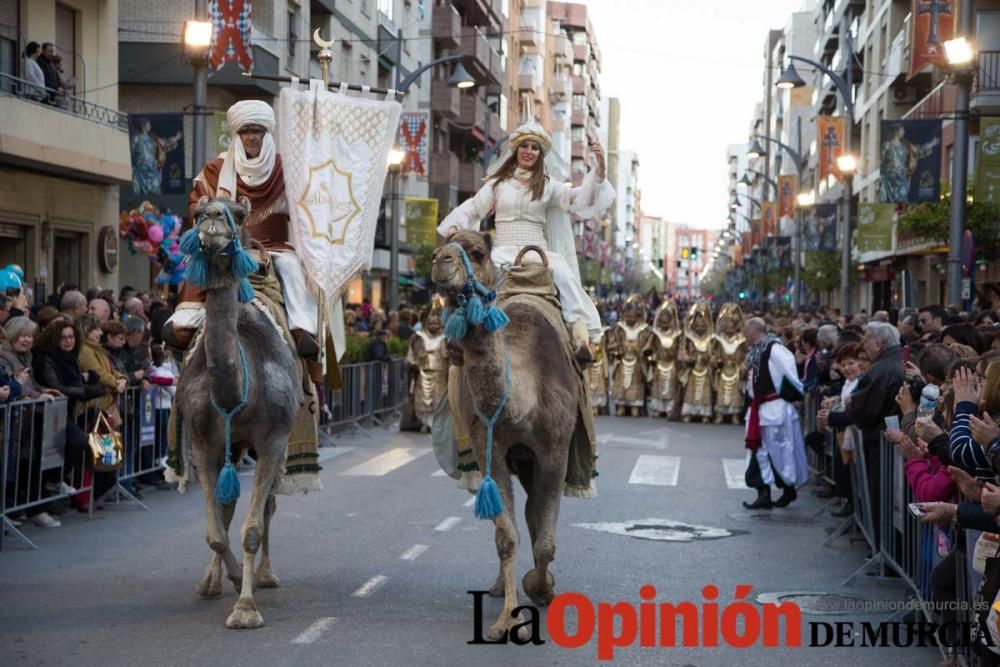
(627, 342)
(597, 374)
(662, 353)
(427, 365)
(696, 363)
(729, 355)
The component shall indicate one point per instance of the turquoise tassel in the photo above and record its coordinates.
(243, 263)
(190, 242)
(227, 490)
(474, 312)
(456, 327)
(489, 504)
(196, 272)
(246, 291)
(495, 319)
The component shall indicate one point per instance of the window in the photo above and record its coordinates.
(65, 40)
(579, 134)
(292, 37)
(578, 69)
(579, 101)
(385, 6)
(580, 37)
(578, 166)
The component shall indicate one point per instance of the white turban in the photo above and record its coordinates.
(253, 171)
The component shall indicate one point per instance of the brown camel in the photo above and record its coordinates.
(533, 435)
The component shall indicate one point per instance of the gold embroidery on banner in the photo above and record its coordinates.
(342, 202)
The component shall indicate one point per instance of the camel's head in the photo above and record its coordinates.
(449, 272)
(216, 258)
(212, 220)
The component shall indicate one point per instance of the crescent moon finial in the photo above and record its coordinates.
(324, 43)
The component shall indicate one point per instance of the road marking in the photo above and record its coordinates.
(664, 530)
(657, 443)
(369, 586)
(438, 473)
(604, 437)
(656, 470)
(734, 470)
(327, 453)
(414, 552)
(448, 523)
(470, 502)
(313, 632)
(383, 464)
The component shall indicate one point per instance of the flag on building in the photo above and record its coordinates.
(932, 24)
(830, 134)
(988, 169)
(787, 187)
(756, 232)
(826, 226)
(874, 232)
(910, 169)
(231, 23)
(769, 219)
(746, 244)
(413, 140)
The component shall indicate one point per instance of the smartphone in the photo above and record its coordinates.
(906, 354)
(915, 510)
(892, 423)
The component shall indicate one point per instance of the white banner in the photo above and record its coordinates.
(334, 149)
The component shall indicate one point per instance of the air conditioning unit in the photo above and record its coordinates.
(904, 95)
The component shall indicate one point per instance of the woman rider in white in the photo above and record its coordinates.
(531, 209)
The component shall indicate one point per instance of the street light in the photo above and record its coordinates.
(790, 79)
(805, 199)
(746, 180)
(460, 78)
(959, 51)
(847, 164)
(756, 150)
(396, 155)
(197, 40)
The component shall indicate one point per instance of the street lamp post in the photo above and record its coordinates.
(791, 79)
(197, 39)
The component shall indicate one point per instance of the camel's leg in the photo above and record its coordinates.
(217, 524)
(265, 577)
(245, 614)
(543, 504)
(524, 472)
(506, 541)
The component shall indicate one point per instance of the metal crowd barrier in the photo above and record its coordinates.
(372, 391)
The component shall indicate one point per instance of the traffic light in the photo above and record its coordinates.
(685, 253)
(694, 253)
(743, 294)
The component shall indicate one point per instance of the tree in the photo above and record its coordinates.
(821, 272)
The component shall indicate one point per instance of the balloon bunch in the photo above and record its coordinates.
(155, 233)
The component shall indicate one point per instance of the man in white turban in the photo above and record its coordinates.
(251, 168)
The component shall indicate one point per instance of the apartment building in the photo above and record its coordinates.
(62, 156)
(688, 254)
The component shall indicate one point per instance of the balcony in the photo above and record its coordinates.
(526, 83)
(165, 63)
(578, 150)
(444, 168)
(470, 177)
(986, 86)
(935, 103)
(446, 26)
(530, 33)
(481, 59)
(578, 117)
(581, 52)
(579, 85)
(445, 99)
(74, 138)
(473, 110)
(562, 88)
(562, 48)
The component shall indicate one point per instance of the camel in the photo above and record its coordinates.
(215, 371)
(533, 435)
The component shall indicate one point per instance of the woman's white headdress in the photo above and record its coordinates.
(530, 131)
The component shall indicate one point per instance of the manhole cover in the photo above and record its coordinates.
(775, 517)
(664, 530)
(811, 602)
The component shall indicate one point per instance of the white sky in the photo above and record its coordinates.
(688, 73)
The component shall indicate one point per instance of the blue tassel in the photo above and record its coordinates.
(495, 319)
(196, 272)
(246, 291)
(489, 504)
(456, 327)
(227, 490)
(474, 312)
(243, 263)
(190, 242)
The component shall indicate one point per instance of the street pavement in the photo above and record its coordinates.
(375, 569)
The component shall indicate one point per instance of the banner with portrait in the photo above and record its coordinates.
(826, 226)
(334, 150)
(156, 143)
(787, 190)
(756, 232)
(830, 137)
(746, 244)
(910, 161)
(769, 219)
(874, 232)
(932, 24)
(988, 165)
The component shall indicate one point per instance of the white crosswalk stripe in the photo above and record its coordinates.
(656, 470)
(734, 470)
(383, 464)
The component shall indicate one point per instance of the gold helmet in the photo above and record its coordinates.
(435, 307)
(670, 306)
(698, 309)
(730, 311)
(636, 303)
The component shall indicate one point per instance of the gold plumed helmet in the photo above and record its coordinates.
(699, 308)
(730, 310)
(671, 306)
(636, 303)
(435, 307)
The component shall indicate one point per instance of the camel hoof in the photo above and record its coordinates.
(266, 579)
(541, 593)
(209, 588)
(244, 618)
(503, 625)
(686, 419)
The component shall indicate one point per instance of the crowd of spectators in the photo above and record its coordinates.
(89, 349)
(46, 78)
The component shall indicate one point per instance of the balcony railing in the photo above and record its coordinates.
(446, 26)
(988, 73)
(12, 86)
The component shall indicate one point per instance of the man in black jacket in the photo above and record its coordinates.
(872, 402)
(49, 71)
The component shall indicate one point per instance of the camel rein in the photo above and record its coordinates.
(227, 489)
